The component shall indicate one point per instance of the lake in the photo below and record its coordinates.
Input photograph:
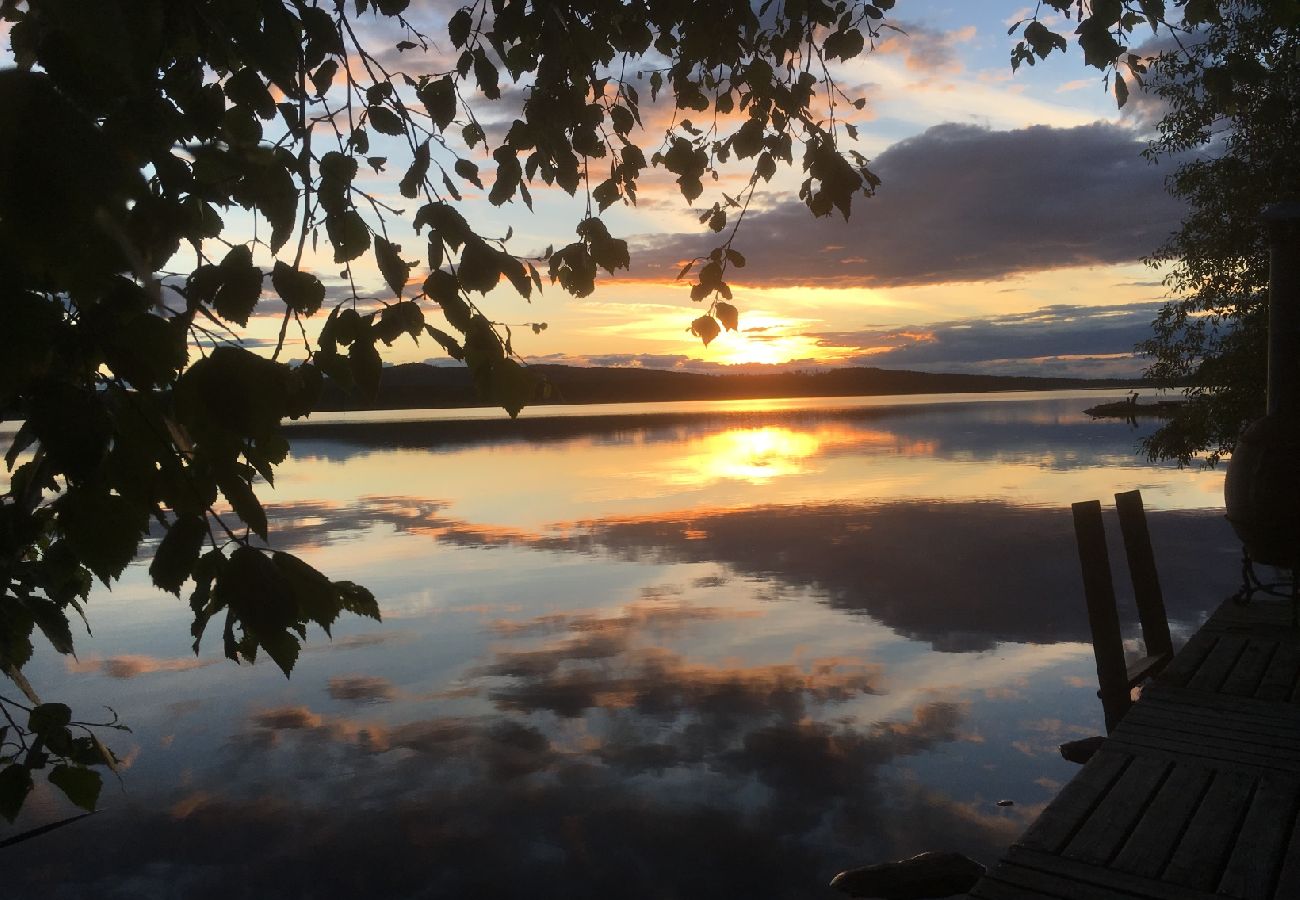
(632, 652)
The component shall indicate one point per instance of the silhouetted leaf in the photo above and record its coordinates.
(241, 285)
(349, 235)
(178, 552)
(394, 269)
(414, 177)
(510, 386)
(49, 718)
(727, 315)
(467, 170)
(398, 319)
(439, 99)
(246, 88)
(366, 367)
(446, 341)
(103, 528)
(458, 28)
(446, 221)
(706, 329)
(243, 501)
(80, 785)
(509, 177)
(301, 291)
(385, 121)
(480, 267)
(486, 75)
(443, 288)
(15, 785)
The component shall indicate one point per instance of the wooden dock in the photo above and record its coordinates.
(1195, 794)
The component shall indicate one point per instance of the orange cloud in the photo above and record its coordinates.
(133, 665)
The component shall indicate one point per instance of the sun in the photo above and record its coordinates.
(766, 340)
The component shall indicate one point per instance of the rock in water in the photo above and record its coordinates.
(927, 875)
(1081, 751)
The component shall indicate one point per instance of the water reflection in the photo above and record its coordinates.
(756, 455)
(960, 576)
(658, 659)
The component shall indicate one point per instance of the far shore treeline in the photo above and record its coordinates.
(423, 386)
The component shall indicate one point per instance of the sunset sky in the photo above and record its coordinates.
(1006, 237)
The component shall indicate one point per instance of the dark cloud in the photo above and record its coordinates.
(874, 559)
(1012, 344)
(960, 576)
(706, 796)
(362, 688)
(681, 362)
(963, 203)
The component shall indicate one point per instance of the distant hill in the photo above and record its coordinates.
(422, 386)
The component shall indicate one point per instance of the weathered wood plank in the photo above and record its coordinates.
(1152, 842)
(1055, 885)
(1242, 706)
(1100, 878)
(1245, 676)
(1199, 858)
(1063, 816)
(1146, 667)
(1142, 572)
(1288, 881)
(1104, 831)
(1212, 739)
(1256, 729)
(1280, 677)
(989, 888)
(1196, 792)
(1214, 671)
(1189, 658)
(1214, 757)
(1261, 613)
(1103, 616)
(1257, 856)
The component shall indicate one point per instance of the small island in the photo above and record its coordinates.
(1130, 408)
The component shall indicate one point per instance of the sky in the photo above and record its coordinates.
(1006, 237)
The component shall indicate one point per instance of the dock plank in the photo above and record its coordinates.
(1105, 830)
(1152, 842)
(1196, 792)
(1187, 660)
(1209, 745)
(1279, 680)
(1257, 856)
(1210, 674)
(1251, 729)
(1288, 880)
(1198, 859)
(1100, 879)
(1064, 815)
(1245, 676)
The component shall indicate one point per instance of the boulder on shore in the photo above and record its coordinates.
(925, 876)
(1081, 751)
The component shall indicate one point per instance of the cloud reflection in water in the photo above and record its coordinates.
(727, 687)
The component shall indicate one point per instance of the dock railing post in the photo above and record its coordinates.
(1103, 617)
(1142, 570)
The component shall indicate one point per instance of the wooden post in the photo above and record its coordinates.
(1103, 617)
(1142, 569)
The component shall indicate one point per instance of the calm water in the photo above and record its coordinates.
(642, 656)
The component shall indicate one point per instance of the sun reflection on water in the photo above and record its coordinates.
(755, 455)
